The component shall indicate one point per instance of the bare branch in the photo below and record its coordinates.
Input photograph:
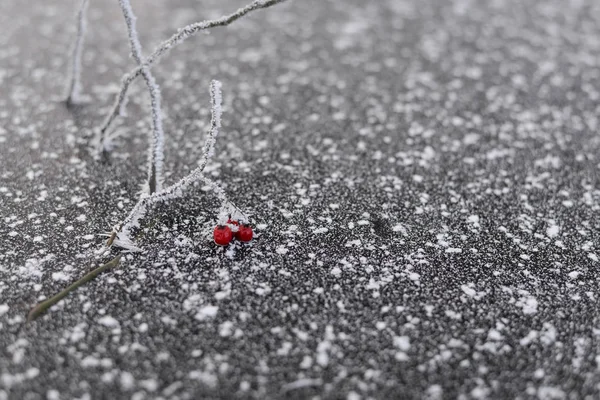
(176, 190)
(155, 153)
(74, 83)
(174, 40)
(45, 305)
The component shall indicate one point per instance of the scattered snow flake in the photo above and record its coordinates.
(93, 362)
(574, 274)
(453, 314)
(281, 250)
(302, 383)
(285, 348)
(307, 362)
(167, 320)
(60, 276)
(434, 392)
(552, 230)
(471, 292)
(355, 243)
(529, 304)
(322, 356)
(109, 322)
(223, 294)
(399, 228)
(402, 342)
(551, 393)
(126, 380)
(452, 250)
(455, 343)
(473, 219)
(4, 309)
(207, 378)
(593, 256)
(336, 271)
(531, 336)
(321, 230)
(226, 329)
(495, 335)
(539, 373)
(206, 312)
(353, 396)
(245, 386)
(53, 394)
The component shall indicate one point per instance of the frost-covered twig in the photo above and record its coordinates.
(74, 82)
(45, 305)
(216, 100)
(176, 190)
(164, 47)
(155, 155)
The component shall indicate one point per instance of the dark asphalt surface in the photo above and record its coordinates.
(422, 175)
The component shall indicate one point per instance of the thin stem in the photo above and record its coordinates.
(111, 239)
(164, 47)
(43, 306)
(155, 152)
(176, 189)
(74, 82)
(216, 101)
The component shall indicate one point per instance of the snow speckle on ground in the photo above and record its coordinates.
(422, 177)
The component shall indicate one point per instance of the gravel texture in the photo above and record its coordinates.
(422, 178)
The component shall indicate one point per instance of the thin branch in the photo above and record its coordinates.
(74, 83)
(155, 153)
(43, 306)
(176, 190)
(216, 101)
(164, 47)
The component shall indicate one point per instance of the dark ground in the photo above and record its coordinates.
(423, 176)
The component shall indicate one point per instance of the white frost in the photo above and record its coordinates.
(207, 312)
(4, 309)
(109, 322)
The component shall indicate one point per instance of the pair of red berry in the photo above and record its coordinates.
(223, 235)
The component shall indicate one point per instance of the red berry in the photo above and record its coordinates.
(244, 234)
(222, 235)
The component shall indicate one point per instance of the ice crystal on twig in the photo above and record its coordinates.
(176, 190)
(155, 154)
(74, 83)
(181, 35)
